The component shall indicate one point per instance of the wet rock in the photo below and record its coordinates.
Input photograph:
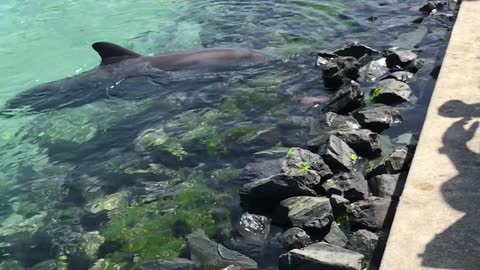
(433, 6)
(336, 236)
(402, 76)
(167, 264)
(309, 213)
(339, 122)
(356, 50)
(339, 70)
(396, 162)
(264, 164)
(323, 58)
(391, 92)
(254, 226)
(338, 155)
(364, 242)
(322, 256)
(348, 98)
(373, 71)
(339, 205)
(408, 139)
(352, 186)
(404, 60)
(385, 185)
(211, 255)
(306, 164)
(363, 141)
(294, 238)
(377, 117)
(262, 196)
(370, 214)
(91, 243)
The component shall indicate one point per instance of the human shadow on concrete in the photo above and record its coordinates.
(458, 247)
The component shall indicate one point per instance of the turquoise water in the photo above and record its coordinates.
(119, 181)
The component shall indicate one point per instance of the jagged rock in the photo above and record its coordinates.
(338, 155)
(323, 58)
(336, 236)
(352, 186)
(322, 256)
(391, 92)
(339, 122)
(377, 117)
(404, 60)
(372, 71)
(370, 214)
(167, 264)
(364, 242)
(306, 164)
(264, 164)
(363, 141)
(348, 98)
(339, 205)
(214, 256)
(356, 50)
(385, 185)
(294, 238)
(402, 76)
(309, 213)
(262, 196)
(339, 70)
(254, 226)
(396, 162)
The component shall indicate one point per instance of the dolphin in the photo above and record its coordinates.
(122, 73)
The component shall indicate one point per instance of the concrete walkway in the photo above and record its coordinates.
(437, 225)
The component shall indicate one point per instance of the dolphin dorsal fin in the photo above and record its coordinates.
(111, 53)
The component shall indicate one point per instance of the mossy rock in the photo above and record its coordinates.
(110, 202)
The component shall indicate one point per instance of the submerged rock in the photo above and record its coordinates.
(404, 60)
(373, 71)
(363, 141)
(348, 98)
(396, 162)
(377, 117)
(402, 76)
(336, 236)
(322, 256)
(385, 185)
(352, 186)
(294, 238)
(264, 164)
(391, 92)
(370, 214)
(364, 242)
(110, 202)
(214, 256)
(356, 50)
(307, 164)
(339, 70)
(262, 196)
(310, 213)
(254, 226)
(167, 264)
(433, 6)
(338, 155)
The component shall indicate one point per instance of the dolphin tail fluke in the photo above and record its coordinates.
(112, 53)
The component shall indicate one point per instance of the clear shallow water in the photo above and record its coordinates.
(127, 177)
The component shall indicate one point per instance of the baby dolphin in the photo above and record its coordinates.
(129, 73)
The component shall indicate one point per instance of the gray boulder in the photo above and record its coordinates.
(264, 164)
(339, 122)
(377, 117)
(336, 236)
(309, 213)
(373, 71)
(396, 162)
(338, 155)
(211, 255)
(306, 164)
(370, 214)
(167, 264)
(385, 185)
(348, 98)
(262, 196)
(339, 70)
(340, 206)
(391, 91)
(364, 242)
(322, 256)
(404, 60)
(402, 76)
(363, 141)
(352, 186)
(356, 50)
(294, 238)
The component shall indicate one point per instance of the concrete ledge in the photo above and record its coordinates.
(437, 224)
